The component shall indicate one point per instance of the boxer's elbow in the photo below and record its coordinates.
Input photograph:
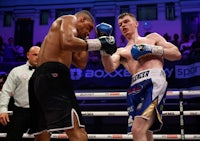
(179, 56)
(172, 55)
(109, 69)
(176, 57)
(81, 66)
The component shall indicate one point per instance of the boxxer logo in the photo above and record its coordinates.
(76, 74)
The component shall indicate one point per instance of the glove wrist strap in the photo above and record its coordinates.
(157, 50)
(93, 44)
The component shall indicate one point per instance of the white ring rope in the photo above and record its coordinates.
(125, 113)
(123, 94)
(120, 136)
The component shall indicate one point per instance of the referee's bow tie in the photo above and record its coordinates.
(31, 67)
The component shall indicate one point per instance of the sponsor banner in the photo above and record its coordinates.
(95, 77)
(187, 71)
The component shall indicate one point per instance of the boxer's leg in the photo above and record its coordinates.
(44, 136)
(77, 133)
(140, 128)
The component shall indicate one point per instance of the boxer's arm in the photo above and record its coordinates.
(68, 32)
(79, 59)
(171, 52)
(111, 63)
(71, 42)
(104, 43)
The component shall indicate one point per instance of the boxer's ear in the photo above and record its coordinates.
(82, 19)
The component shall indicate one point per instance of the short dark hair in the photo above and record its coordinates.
(87, 13)
(122, 15)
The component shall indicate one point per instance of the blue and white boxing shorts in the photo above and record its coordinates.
(146, 95)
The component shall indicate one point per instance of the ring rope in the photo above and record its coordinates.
(123, 94)
(125, 113)
(119, 136)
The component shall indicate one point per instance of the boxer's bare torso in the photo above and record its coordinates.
(63, 43)
(147, 62)
(51, 49)
(128, 26)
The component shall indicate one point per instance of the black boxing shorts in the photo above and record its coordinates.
(52, 99)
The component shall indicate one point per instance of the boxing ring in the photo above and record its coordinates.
(181, 113)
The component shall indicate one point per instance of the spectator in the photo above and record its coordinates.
(9, 51)
(196, 48)
(19, 53)
(1, 49)
(185, 47)
(167, 37)
(175, 40)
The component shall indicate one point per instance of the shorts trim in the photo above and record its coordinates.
(73, 111)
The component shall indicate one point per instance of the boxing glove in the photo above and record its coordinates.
(142, 50)
(103, 29)
(104, 43)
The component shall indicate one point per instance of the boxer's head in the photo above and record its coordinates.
(85, 23)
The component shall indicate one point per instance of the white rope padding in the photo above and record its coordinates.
(123, 94)
(125, 113)
(120, 136)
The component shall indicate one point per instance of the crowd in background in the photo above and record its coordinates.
(10, 52)
(188, 44)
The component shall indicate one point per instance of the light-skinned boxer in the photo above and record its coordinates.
(143, 57)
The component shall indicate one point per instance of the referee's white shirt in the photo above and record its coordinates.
(16, 85)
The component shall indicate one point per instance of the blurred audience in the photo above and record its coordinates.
(19, 53)
(175, 40)
(185, 47)
(9, 55)
(1, 49)
(195, 47)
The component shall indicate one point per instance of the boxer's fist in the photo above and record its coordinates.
(103, 29)
(108, 44)
(104, 43)
(139, 51)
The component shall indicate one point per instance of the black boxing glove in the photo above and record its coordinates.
(108, 44)
(105, 43)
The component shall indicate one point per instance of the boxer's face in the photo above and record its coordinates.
(127, 25)
(85, 28)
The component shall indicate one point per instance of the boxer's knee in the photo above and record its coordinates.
(77, 134)
(44, 136)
